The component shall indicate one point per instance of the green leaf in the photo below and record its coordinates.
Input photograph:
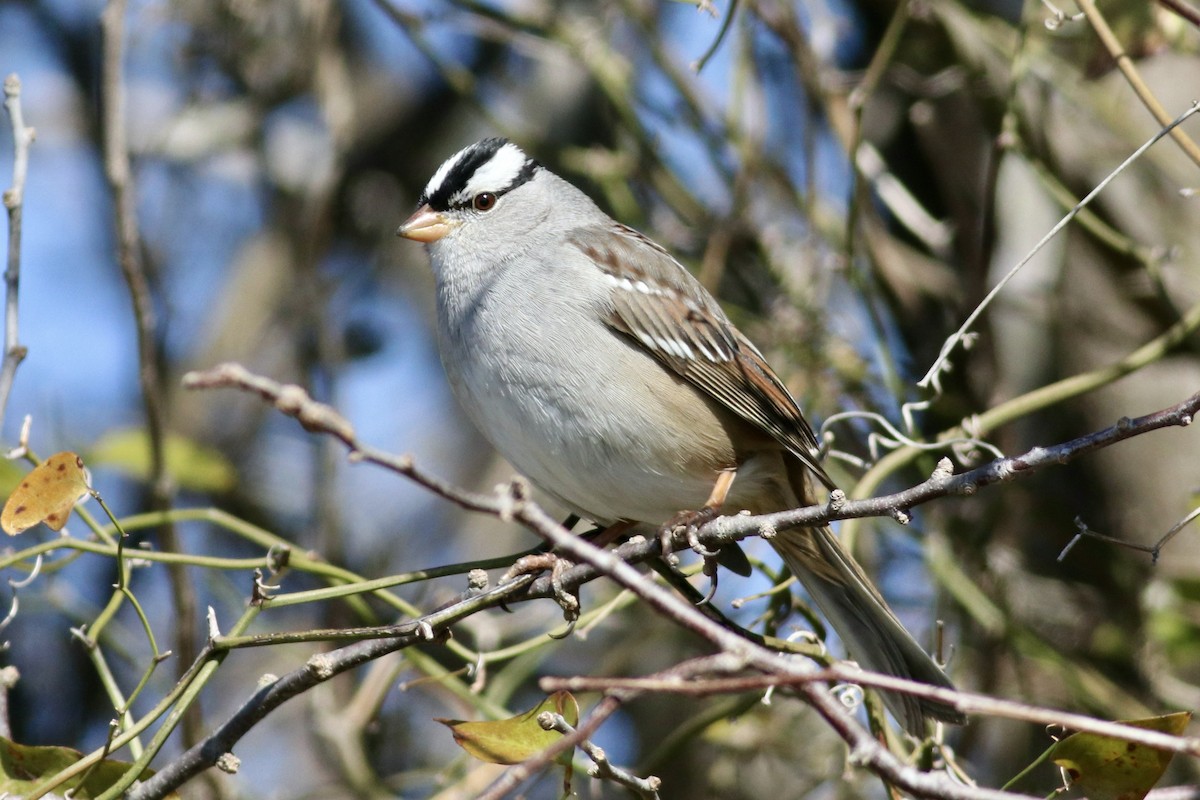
(192, 465)
(1112, 769)
(23, 766)
(516, 739)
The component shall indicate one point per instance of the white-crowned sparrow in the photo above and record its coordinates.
(605, 373)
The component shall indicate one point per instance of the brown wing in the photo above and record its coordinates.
(656, 302)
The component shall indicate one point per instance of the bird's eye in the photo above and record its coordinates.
(484, 201)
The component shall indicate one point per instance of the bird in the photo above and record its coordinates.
(606, 374)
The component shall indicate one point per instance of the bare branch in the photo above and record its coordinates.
(320, 668)
(942, 484)
(14, 200)
(602, 768)
(133, 269)
(1155, 550)
(1125, 63)
(1183, 9)
(695, 678)
(318, 417)
(865, 750)
(513, 503)
(941, 363)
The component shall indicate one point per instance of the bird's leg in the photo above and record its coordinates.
(531, 565)
(720, 491)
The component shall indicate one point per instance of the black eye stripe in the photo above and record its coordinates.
(465, 198)
(458, 177)
(454, 191)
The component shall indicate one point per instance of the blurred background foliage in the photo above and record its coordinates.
(850, 178)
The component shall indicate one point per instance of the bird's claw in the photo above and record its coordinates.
(567, 600)
(710, 569)
(693, 540)
(689, 522)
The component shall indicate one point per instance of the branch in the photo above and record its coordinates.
(1043, 397)
(932, 378)
(1184, 10)
(943, 483)
(514, 504)
(133, 269)
(601, 767)
(1155, 550)
(318, 669)
(320, 418)
(695, 678)
(514, 777)
(865, 750)
(14, 199)
(1124, 63)
(129, 252)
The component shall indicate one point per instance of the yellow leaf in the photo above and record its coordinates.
(47, 494)
(516, 739)
(1104, 768)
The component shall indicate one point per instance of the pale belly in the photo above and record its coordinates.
(604, 475)
(640, 448)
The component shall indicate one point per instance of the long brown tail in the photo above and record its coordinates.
(861, 617)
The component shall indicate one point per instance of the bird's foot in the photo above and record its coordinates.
(689, 523)
(567, 600)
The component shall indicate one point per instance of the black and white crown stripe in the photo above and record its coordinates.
(493, 165)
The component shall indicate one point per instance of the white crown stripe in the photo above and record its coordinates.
(435, 182)
(498, 172)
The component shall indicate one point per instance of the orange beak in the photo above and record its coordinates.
(425, 225)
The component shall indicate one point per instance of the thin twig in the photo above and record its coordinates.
(14, 201)
(602, 768)
(318, 417)
(726, 24)
(514, 777)
(1155, 550)
(865, 750)
(932, 378)
(1184, 10)
(318, 669)
(1043, 397)
(942, 483)
(133, 269)
(1124, 63)
(694, 678)
(512, 503)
